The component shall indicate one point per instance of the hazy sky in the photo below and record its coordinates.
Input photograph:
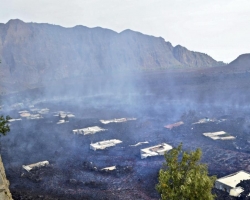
(220, 28)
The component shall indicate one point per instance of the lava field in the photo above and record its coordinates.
(75, 171)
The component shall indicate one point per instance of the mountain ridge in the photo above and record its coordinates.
(34, 53)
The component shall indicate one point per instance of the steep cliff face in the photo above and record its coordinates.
(194, 59)
(241, 63)
(4, 184)
(34, 53)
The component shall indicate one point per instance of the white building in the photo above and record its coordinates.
(139, 143)
(62, 121)
(117, 120)
(155, 150)
(35, 116)
(43, 111)
(39, 164)
(220, 135)
(104, 144)
(206, 120)
(109, 168)
(12, 120)
(88, 130)
(63, 114)
(228, 183)
(26, 114)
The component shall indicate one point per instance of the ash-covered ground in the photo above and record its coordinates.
(75, 170)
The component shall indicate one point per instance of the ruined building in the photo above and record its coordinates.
(228, 183)
(156, 150)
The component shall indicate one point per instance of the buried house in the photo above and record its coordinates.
(117, 120)
(155, 150)
(109, 168)
(104, 144)
(28, 115)
(228, 183)
(170, 126)
(88, 130)
(35, 165)
(220, 135)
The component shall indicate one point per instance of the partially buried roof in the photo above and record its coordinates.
(156, 150)
(116, 120)
(170, 126)
(88, 130)
(104, 144)
(109, 168)
(220, 135)
(233, 179)
(39, 164)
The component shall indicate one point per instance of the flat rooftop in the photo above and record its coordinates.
(156, 150)
(39, 164)
(170, 126)
(233, 179)
(88, 130)
(116, 120)
(220, 135)
(104, 144)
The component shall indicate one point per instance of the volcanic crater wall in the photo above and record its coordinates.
(33, 54)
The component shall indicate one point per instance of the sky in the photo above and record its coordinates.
(219, 28)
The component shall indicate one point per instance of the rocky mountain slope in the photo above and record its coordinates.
(33, 53)
(242, 63)
(194, 59)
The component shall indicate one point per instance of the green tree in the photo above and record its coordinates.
(4, 127)
(183, 177)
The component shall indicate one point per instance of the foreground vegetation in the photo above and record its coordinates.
(183, 177)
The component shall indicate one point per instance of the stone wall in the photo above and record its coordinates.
(4, 184)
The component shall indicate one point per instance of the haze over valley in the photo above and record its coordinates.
(85, 103)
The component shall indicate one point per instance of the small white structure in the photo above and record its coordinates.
(228, 183)
(220, 135)
(104, 144)
(170, 126)
(62, 121)
(205, 120)
(24, 113)
(109, 168)
(12, 120)
(139, 143)
(63, 114)
(89, 130)
(43, 111)
(36, 116)
(39, 164)
(70, 115)
(117, 120)
(155, 150)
